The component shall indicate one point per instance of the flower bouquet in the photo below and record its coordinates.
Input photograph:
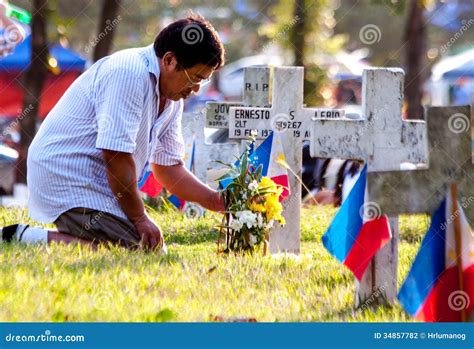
(252, 207)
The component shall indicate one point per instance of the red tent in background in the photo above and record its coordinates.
(66, 66)
(11, 96)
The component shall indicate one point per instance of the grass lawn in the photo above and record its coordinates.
(191, 283)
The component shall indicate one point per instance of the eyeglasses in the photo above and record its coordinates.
(194, 83)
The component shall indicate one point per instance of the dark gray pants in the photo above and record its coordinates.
(98, 226)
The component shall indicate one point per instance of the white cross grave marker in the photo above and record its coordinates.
(384, 141)
(205, 154)
(450, 160)
(256, 87)
(255, 93)
(291, 120)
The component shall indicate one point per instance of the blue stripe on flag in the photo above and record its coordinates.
(259, 156)
(175, 201)
(429, 263)
(348, 221)
(144, 178)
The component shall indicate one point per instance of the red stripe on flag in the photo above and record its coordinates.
(373, 235)
(151, 187)
(445, 301)
(283, 182)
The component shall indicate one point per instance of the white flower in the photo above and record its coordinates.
(270, 224)
(236, 224)
(247, 218)
(260, 220)
(253, 240)
(253, 185)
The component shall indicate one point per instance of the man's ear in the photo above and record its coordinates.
(169, 61)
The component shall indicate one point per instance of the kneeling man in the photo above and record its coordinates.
(120, 116)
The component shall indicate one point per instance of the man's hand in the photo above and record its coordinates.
(182, 183)
(122, 178)
(152, 238)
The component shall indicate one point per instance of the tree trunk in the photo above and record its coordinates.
(109, 19)
(34, 80)
(298, 32)
(415, 38)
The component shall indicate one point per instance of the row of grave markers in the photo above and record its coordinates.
(286, 115)
(380, 138)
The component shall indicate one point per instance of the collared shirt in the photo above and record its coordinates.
(113, 105)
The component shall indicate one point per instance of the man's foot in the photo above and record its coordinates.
(13, 232)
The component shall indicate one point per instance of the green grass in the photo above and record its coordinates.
(191, 283)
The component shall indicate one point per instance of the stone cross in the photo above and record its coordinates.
(450, 160)
(287, 114)
(256, 91)
(291, 120)
(205, 154)
(384, 141)
(215, 115)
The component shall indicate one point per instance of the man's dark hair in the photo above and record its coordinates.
(192, 40)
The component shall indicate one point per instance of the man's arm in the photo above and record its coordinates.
(120, 168)
(182, 183)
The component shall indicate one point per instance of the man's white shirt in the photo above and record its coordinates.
(113, 105)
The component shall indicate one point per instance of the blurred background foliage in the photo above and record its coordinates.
(303, 32)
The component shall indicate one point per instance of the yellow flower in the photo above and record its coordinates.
(269, 204)
(269, 184)
(266, 182)
(273, 207)
(256, 207)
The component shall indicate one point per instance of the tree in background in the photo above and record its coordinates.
(415, 48)
(304, 27)
(34, 79)
(141, 21)
(416, 41)
(108, 19)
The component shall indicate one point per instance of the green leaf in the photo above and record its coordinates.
(244, 164)
(231, 166)
(258, 172)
